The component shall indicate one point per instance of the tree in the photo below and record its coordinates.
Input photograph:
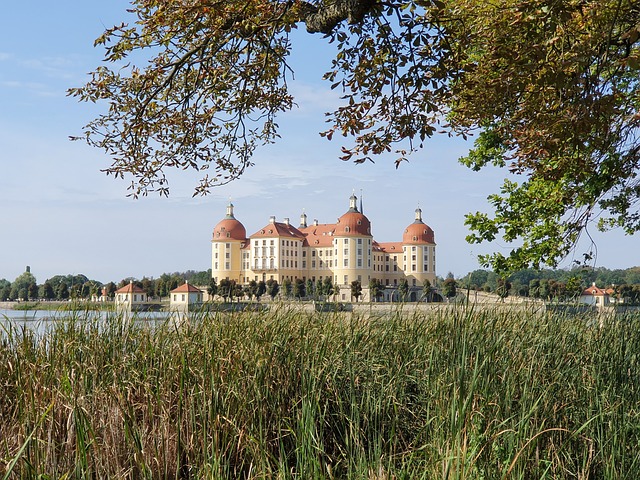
(427, 290)
(299, 288)
(574, 288)
(5, 291)
(403, 289)
(376, 289)
(548, 88)
(272, 288)
(32, 291)
(20, 286)
(261, 289)
(327, 287)
(212, 289)
(111, 289)
(504, 286)
(287, 287)
(225, 289)
(236, 290)
(62, 292)
(252, 289)
(44, 291)
(356, 289)
(544, 290)
(449, 288)
(310, 288)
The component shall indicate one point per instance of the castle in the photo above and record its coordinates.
(345, 251)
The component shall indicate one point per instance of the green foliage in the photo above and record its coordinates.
(272, 288)
(225, 289)
(403, 289)
(212, 288)
(356, 289)
(287, 287)
(455, 393)
(449, 288)
(20, 286)
(376, 289)
(549, 89)
(299, 289)
(261, 289)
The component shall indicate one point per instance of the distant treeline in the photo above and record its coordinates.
(556, 284)
(65, 287)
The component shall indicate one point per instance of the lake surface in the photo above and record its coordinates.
(41, 320)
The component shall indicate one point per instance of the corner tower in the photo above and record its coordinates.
(419, 251)
(229, 238)
(352, 246)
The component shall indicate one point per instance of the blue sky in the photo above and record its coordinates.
(60, 214)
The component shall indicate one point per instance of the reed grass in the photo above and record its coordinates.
(450, 394)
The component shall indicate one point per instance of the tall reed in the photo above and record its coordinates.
(454, 393)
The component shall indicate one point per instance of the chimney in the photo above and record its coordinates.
(272, 219)
(315, 222)
(286, 221)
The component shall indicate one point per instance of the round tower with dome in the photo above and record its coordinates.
(419, 252)
(352, 247)
(229, 238)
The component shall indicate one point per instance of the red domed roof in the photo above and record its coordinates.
(418, 231)
(229, 228)
(353, 222)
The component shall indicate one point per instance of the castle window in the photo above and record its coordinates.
(359, 222)
(228, 234)
(415, 238)
(346, 229)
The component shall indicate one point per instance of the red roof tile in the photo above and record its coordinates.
(186, 288)
(130, 288)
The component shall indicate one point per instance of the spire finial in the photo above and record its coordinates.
(353, 206)
(230, 209)
(418, 214)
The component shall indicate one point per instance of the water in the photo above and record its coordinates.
(42, 320)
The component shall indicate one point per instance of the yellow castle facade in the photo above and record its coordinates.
(345, 251)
